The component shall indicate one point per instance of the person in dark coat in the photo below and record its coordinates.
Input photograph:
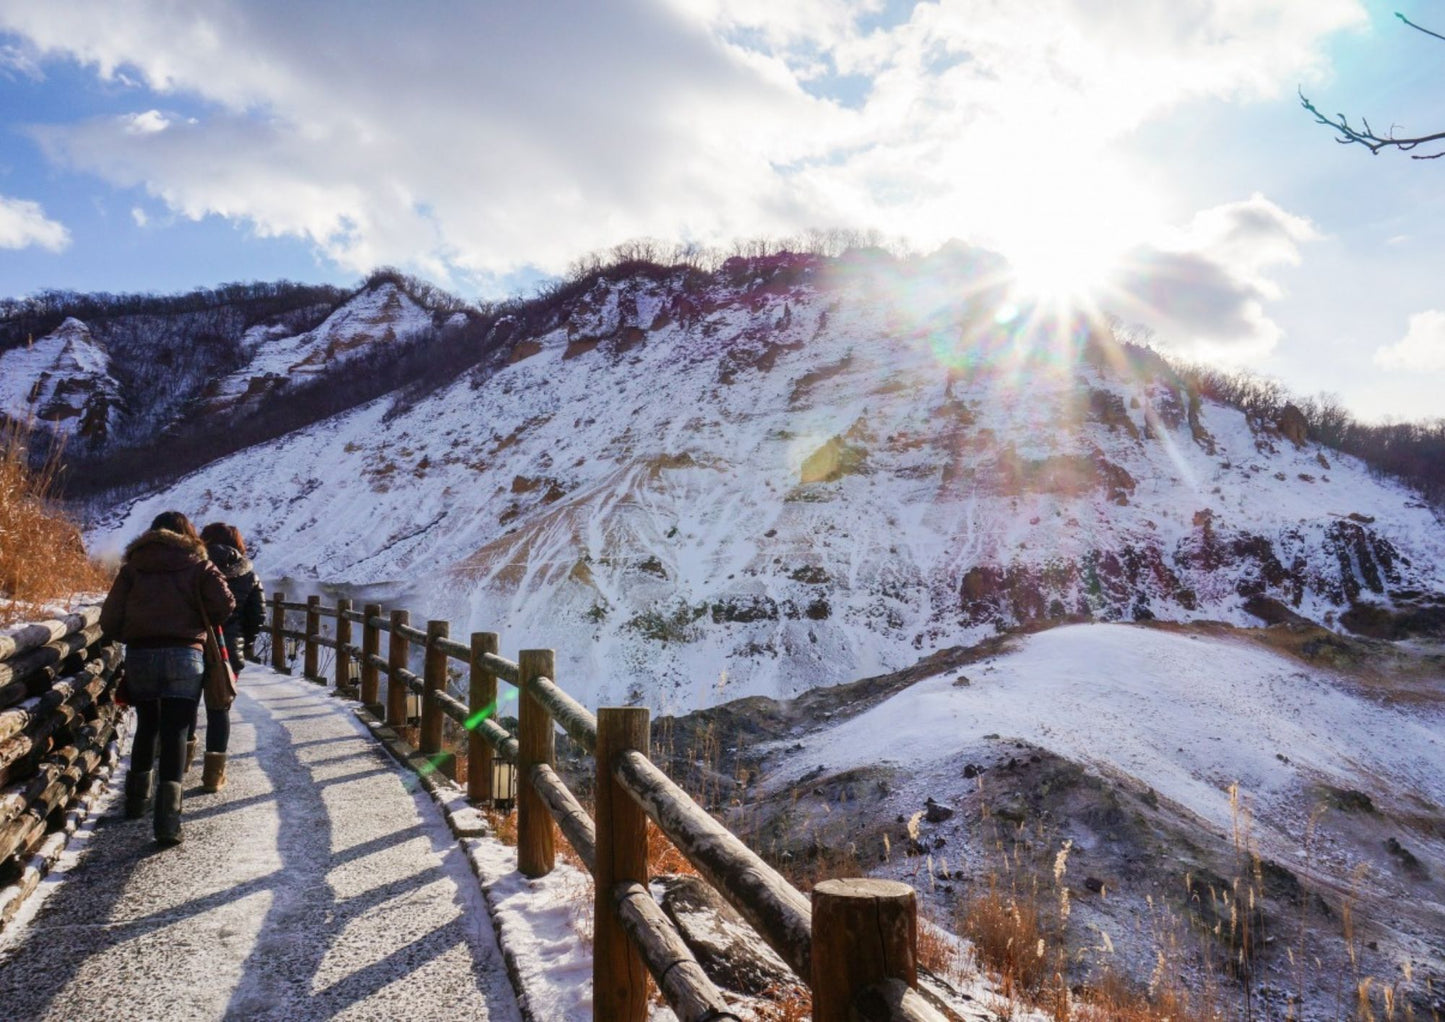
(155, 608)
(227, 551)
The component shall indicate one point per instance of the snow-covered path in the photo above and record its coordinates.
(320, 883)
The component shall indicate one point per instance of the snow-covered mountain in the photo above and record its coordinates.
(62, 381)
(796, 472)
(279, 359)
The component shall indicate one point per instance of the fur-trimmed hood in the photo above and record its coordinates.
(163, 550)
(232, 562)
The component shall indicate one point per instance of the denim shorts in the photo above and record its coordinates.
(168, 672)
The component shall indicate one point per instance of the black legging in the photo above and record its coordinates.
(218, 728)
(166, 720)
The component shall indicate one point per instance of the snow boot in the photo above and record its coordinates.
(137, 793)
(190, 755)
(168, 813)
(213, 774)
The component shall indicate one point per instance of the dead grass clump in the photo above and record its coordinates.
(936, 952)
(42, 557)
(1006, 927)
(663, 856)
(786, 1004)
(504, 825)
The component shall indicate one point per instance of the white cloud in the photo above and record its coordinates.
(481, 138)
(1204, 290)
(139, 216)
(24, 223)
(1422, 349)
(147, 123)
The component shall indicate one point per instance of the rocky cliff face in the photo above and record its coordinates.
(63, 382)
(795, 472)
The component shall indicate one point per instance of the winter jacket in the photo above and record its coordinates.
(245, 623)
(155, 599)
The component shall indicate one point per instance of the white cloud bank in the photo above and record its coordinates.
(23, 223)
(1203, 291)
(478, 139)
(1422, 349)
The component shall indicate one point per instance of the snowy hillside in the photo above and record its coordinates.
(795, 473)
(64, 382)
(278, 358)
(1162, 761)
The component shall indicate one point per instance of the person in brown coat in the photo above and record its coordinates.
(154, 607)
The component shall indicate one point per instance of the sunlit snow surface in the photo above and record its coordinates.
(1184, 714)
(629, 491)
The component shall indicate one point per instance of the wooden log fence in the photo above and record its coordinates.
(58, 729)
(863, 967)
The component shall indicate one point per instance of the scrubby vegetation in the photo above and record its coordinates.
(42, 557)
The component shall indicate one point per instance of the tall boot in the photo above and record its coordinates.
(213, 774)
(137, 793)
(168, 813)
(190, 755)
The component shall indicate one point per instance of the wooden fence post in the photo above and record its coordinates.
(278, 625)
(619, 976)
(481, 699)
(343, 641)
(370, 647)
(536, 844)
(865, 931)
(434, 674)
(396, 660)
(309, 670)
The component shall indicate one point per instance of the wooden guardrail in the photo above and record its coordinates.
(854, 944)
(58, 721)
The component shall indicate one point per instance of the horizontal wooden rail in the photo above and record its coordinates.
(452, 648)
(408, 679)
(450, 705)
(669, 960)
(504, 669)
(410, 634)
(572, 819)
(893, 1000)
(499, 738)
(768, 902)
(566, 711)
(633, 938)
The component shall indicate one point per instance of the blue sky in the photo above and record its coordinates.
(1148, 159)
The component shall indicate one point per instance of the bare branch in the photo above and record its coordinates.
(1418, 28)
(1366, 136)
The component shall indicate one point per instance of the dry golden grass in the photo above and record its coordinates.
(788, 1004)
(42, 557)
(663, 856)
(1007, 928)
(504, 825)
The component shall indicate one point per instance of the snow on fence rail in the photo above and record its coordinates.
(854, 945)
(58, 725)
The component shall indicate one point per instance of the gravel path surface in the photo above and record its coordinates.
(319, 883)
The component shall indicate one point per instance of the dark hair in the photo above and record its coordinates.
(174, 521)
(220, 532)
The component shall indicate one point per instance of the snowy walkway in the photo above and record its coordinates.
(320, 883)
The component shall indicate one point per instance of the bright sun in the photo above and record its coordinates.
(1065, 235)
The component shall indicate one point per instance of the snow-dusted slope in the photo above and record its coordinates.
(64, 381)
(795, 475)
(380, 315)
